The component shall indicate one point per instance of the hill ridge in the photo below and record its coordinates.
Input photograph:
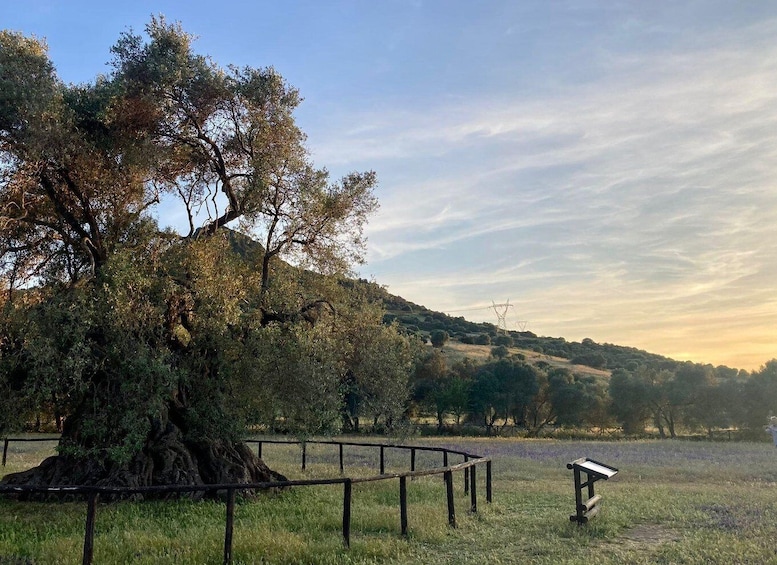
(418, 320)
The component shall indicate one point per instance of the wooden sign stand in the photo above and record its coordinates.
(587, 509)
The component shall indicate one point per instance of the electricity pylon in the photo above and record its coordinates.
(501, 315)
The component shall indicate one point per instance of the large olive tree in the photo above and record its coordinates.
(158, 347)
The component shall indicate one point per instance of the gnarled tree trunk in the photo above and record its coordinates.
(167, 458)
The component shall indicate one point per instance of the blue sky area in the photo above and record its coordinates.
(608, 167)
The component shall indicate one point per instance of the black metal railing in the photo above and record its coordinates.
(468, 467)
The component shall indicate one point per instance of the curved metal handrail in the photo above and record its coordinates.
(469, 466)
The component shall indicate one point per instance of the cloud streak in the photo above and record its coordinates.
(639, 208)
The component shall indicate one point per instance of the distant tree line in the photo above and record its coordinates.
(507, 391)
(693, 396)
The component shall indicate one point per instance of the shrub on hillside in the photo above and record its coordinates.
(483, 339)
(504, 340)
(594, 360)
(439, 338)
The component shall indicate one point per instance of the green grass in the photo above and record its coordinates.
(672, 502)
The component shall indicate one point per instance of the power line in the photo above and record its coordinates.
(501, 311)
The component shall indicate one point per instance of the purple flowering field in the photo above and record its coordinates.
(687, 460)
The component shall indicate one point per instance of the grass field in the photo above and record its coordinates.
(672, 502)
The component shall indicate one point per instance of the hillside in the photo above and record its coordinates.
(476, 340)
(456, 351)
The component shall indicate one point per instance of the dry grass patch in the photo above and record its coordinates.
(648, 535)
(455, 351)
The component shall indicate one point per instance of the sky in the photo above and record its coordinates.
(610, 168)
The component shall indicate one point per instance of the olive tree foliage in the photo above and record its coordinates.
(759, 396)
(630, 400)
(430, 382)
(236, 127)
(379, 364)
(73, 178)
(145, 338)
(689, 397)
(504, 389)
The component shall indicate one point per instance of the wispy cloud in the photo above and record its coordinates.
(646, 195)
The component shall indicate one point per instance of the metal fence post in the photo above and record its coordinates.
(347, 512)
(488, 481)
(473, 489)
(91, 509)
(230, 523)
(466, 476)
(403, 504)
(448, 475)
